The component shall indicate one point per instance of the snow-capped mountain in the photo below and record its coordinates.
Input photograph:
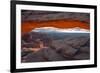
(54, 29)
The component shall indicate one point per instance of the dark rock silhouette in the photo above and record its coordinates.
(52, 15)
(85, 49)
(82, 56)
(46, 54)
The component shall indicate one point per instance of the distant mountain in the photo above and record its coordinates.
(54, 30)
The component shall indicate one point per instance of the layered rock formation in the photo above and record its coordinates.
(69, 48)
